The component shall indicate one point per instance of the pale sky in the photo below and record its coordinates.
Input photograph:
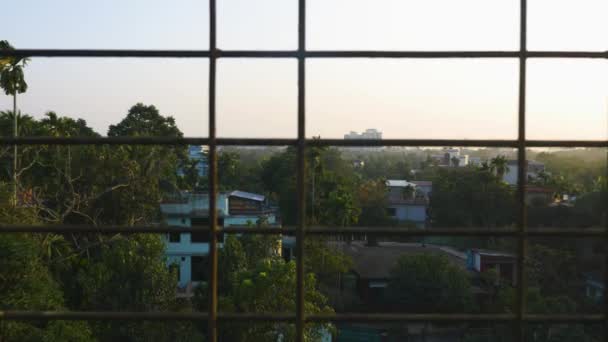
(407, 98)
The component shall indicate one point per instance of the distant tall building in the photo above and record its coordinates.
(370, 133)
(451, 157)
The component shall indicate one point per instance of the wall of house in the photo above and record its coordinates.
(396, 193)
(183, 262)
(178, 214)
(179, 253)
(510, 177)
(243, 220)
(195, 202)
(408, 212)
(426, 189)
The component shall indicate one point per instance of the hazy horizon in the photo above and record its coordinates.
(405, 98)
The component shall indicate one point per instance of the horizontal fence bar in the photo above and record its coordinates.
(567, 143)
(290, 142)
(103, 141)
(567, 54)
(411, 54)
(387, 231)
(454, 142)
(288, 317)
(142, 141)
(295, 54)
(405, 317)
(411, 142)
(473, 231)
(105, 53)
(67, 229)
(256, 142)
(101, 316)
(258, 54)
(455, 318)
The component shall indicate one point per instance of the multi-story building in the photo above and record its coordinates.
(370, 133)
(407, 203)
(187, 252)
(451, 157)
(198, 154)
(425, 187)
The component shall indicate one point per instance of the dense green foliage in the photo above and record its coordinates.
(124, 184)
(428, 283)
(95, 185)
(464, 197)
(254, 278)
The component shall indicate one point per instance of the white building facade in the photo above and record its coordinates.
(407, 202)
(187, 252)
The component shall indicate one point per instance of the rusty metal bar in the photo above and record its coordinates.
(293, 142)
(455, 318)
(116, 53)
(521, 233)
(605, 294)
(316, 230)
(301, 173)
(521, 174)
(288, 317)
(474, 231)
(212, 333)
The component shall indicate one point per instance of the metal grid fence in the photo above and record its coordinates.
(300, 318)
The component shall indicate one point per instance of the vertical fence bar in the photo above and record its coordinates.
(213, 264)
(301, 171)
(604, 187)
(521, 174)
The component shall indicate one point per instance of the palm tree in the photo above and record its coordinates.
(12, 81)
(499, 165)
(60, 127)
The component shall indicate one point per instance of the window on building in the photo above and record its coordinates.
(199, 237)
(198, 268)
(204, 237)
(175, 237)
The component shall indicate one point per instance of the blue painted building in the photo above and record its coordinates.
(187, 252)
(198, 154)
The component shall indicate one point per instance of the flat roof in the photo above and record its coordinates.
(247, 195)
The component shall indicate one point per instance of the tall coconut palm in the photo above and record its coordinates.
(12, 81)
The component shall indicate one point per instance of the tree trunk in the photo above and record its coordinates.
(15, 134)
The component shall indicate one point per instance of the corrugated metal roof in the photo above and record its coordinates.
(376, 262)
(423, 183)
(248, 195)
(401, 183)
(493, 253)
